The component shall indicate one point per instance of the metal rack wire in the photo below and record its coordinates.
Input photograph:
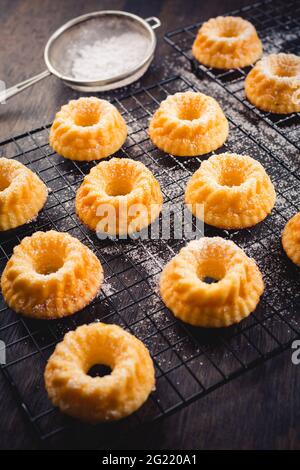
(277, 23)
(190, 362)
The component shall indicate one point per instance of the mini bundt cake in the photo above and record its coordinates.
(274, 84)
(22, 194)
(50, 275)
(233, 190)
(291, 239)
(88, 129)
(233, 296)
(118, 197)
(227, 42)
(188, 124)
(107, 398)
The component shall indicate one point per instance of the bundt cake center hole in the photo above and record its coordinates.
(189, 113)
(119, 187)
(48, 265)
(99, 370)
(209, 280)
(229, 31)
(284, 70)
(4, 182)
(87, 115)
(232, 177)
(211, 271)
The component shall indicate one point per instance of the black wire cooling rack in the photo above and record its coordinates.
(278, 26)
(190, 362)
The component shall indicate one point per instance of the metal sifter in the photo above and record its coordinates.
(98, 51)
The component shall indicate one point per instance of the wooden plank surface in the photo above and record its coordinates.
(259, 410)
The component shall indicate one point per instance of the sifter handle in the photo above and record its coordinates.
(22, 85)
(153, 22)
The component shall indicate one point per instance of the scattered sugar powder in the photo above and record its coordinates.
(109, 57)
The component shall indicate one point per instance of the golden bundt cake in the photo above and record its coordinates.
(291, 239)
(233, 296)
(120, 196)
(107, 398)
(22, 194)
(227, 42)
(188, 124)
(233, 190)
(50, 275)
(274, 84)
(87, 129)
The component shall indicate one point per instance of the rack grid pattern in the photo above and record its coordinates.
(190, 362)
(278, 24)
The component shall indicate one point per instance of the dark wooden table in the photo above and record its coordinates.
(260, 410)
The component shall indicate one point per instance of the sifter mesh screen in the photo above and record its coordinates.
(95, 48)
